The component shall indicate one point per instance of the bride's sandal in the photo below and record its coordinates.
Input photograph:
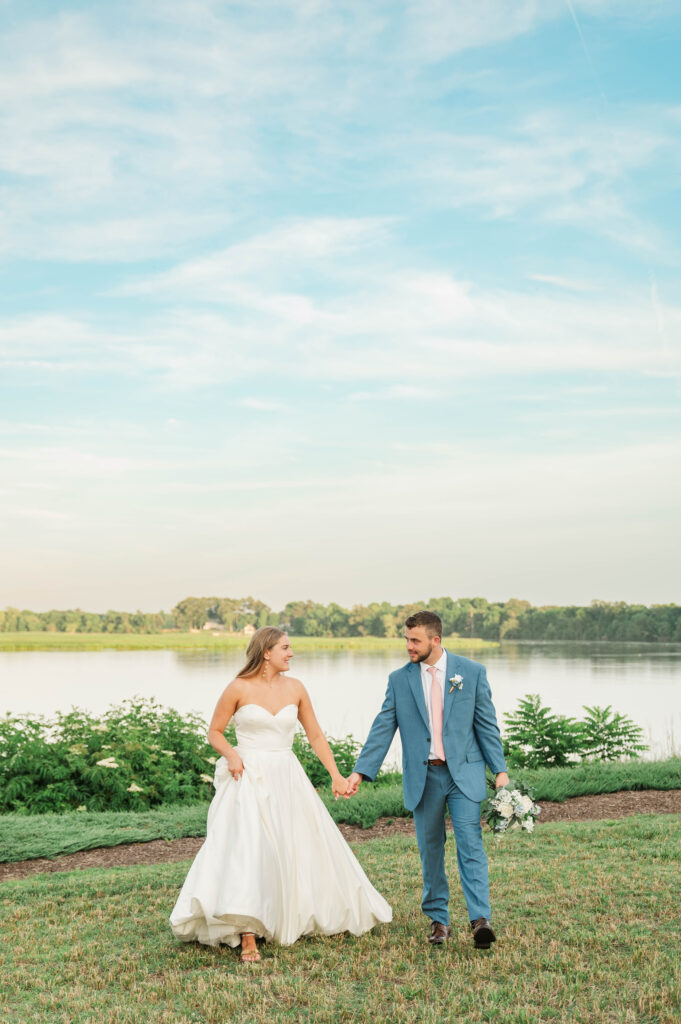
(249, 953)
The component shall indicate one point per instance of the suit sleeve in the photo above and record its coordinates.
(380, 737)
(485, 726)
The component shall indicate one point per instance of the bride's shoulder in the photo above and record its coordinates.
(234, 689)
(296, 688)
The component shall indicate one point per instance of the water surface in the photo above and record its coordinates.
(347, 687)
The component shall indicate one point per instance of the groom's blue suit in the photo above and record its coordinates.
(470, 737)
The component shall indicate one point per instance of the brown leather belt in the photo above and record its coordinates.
(436, 762)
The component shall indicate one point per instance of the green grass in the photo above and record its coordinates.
(39, 641)
(599, 777)
(24, 836)
(49, 835)
(588, 928)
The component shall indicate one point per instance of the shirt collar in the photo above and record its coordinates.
(440, 664)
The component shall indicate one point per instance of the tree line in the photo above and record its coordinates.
(464, 617)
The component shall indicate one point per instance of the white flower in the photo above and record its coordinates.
(525, 803)
(506, 811)
(212, 760)
(100, 727)
(78, 748)
(171, 753)
(503, 797)
(134, 788)
(108, 762)
(528, 824)
(205, 778)
(516, 795)
(106, 746)
(81, 808)
(456, 683)
(536, 809)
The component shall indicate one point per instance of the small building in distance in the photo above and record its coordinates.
(214, 626)
(249, 629)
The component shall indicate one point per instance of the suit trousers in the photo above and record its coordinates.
(429, 818)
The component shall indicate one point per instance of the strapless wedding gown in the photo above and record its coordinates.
(274, 862)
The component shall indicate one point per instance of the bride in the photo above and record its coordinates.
(274, 865)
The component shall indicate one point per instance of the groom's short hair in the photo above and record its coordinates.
(430, 620)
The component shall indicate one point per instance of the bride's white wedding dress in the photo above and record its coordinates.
(274, 862)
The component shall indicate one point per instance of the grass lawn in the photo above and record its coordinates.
(23, 836)
(40, 641)
(587, 917)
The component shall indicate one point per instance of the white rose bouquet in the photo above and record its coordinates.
(510, 809)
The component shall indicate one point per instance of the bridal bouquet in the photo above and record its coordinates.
(509, 809)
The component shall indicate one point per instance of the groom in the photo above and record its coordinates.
(442, 705)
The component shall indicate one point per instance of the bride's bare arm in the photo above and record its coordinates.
(318, 742)
(224, 710)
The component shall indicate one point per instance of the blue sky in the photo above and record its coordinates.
(342, 301)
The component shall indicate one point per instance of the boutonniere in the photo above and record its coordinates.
(457, 683)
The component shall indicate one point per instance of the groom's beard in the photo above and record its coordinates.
(422, 657)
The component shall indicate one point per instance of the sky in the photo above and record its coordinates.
(343, 301)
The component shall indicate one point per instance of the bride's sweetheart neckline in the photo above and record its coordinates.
(266, 710)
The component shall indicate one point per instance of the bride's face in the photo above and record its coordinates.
(281, 654)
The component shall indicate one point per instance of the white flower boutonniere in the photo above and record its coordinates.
(456, 683)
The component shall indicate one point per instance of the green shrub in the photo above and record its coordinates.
(538, 738)
(608, 736)
(345, 754)
(371, 803)
(136, 756)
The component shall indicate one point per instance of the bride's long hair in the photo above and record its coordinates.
(262, 641)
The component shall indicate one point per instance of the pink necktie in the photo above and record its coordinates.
(437, 713)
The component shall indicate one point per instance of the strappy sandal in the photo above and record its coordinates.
(250, 955)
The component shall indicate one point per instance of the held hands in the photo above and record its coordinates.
(339, 786)
(235, 765)
(354, 782)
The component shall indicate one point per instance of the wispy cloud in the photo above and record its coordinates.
(564, 282)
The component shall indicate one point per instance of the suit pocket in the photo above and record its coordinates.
(474, 756)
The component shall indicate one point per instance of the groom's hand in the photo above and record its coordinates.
(501, 780)
(354, 782)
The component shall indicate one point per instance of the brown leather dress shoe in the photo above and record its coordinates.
(439, 933)
(483, 936)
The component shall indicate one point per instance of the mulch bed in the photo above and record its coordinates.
(579, 808)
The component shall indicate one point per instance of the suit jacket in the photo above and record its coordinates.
(470, 732)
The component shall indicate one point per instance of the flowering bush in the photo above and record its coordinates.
(137, 755)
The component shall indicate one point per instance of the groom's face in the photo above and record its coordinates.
(419, 643)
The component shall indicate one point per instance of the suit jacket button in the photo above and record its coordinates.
(425, 762)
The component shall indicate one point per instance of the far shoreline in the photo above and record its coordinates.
(207, 641)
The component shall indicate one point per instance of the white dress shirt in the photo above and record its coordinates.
(427, 682)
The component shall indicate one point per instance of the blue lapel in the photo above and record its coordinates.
(449, 697)
(414, 672)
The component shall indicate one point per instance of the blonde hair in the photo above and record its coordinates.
(263, 640)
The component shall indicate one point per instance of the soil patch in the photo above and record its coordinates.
(579, 808)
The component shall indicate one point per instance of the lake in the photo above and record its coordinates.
(347, 687)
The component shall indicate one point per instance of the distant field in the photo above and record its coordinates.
(204, 640)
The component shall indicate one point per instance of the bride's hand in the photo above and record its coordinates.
(339, 786)
(235, 765)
